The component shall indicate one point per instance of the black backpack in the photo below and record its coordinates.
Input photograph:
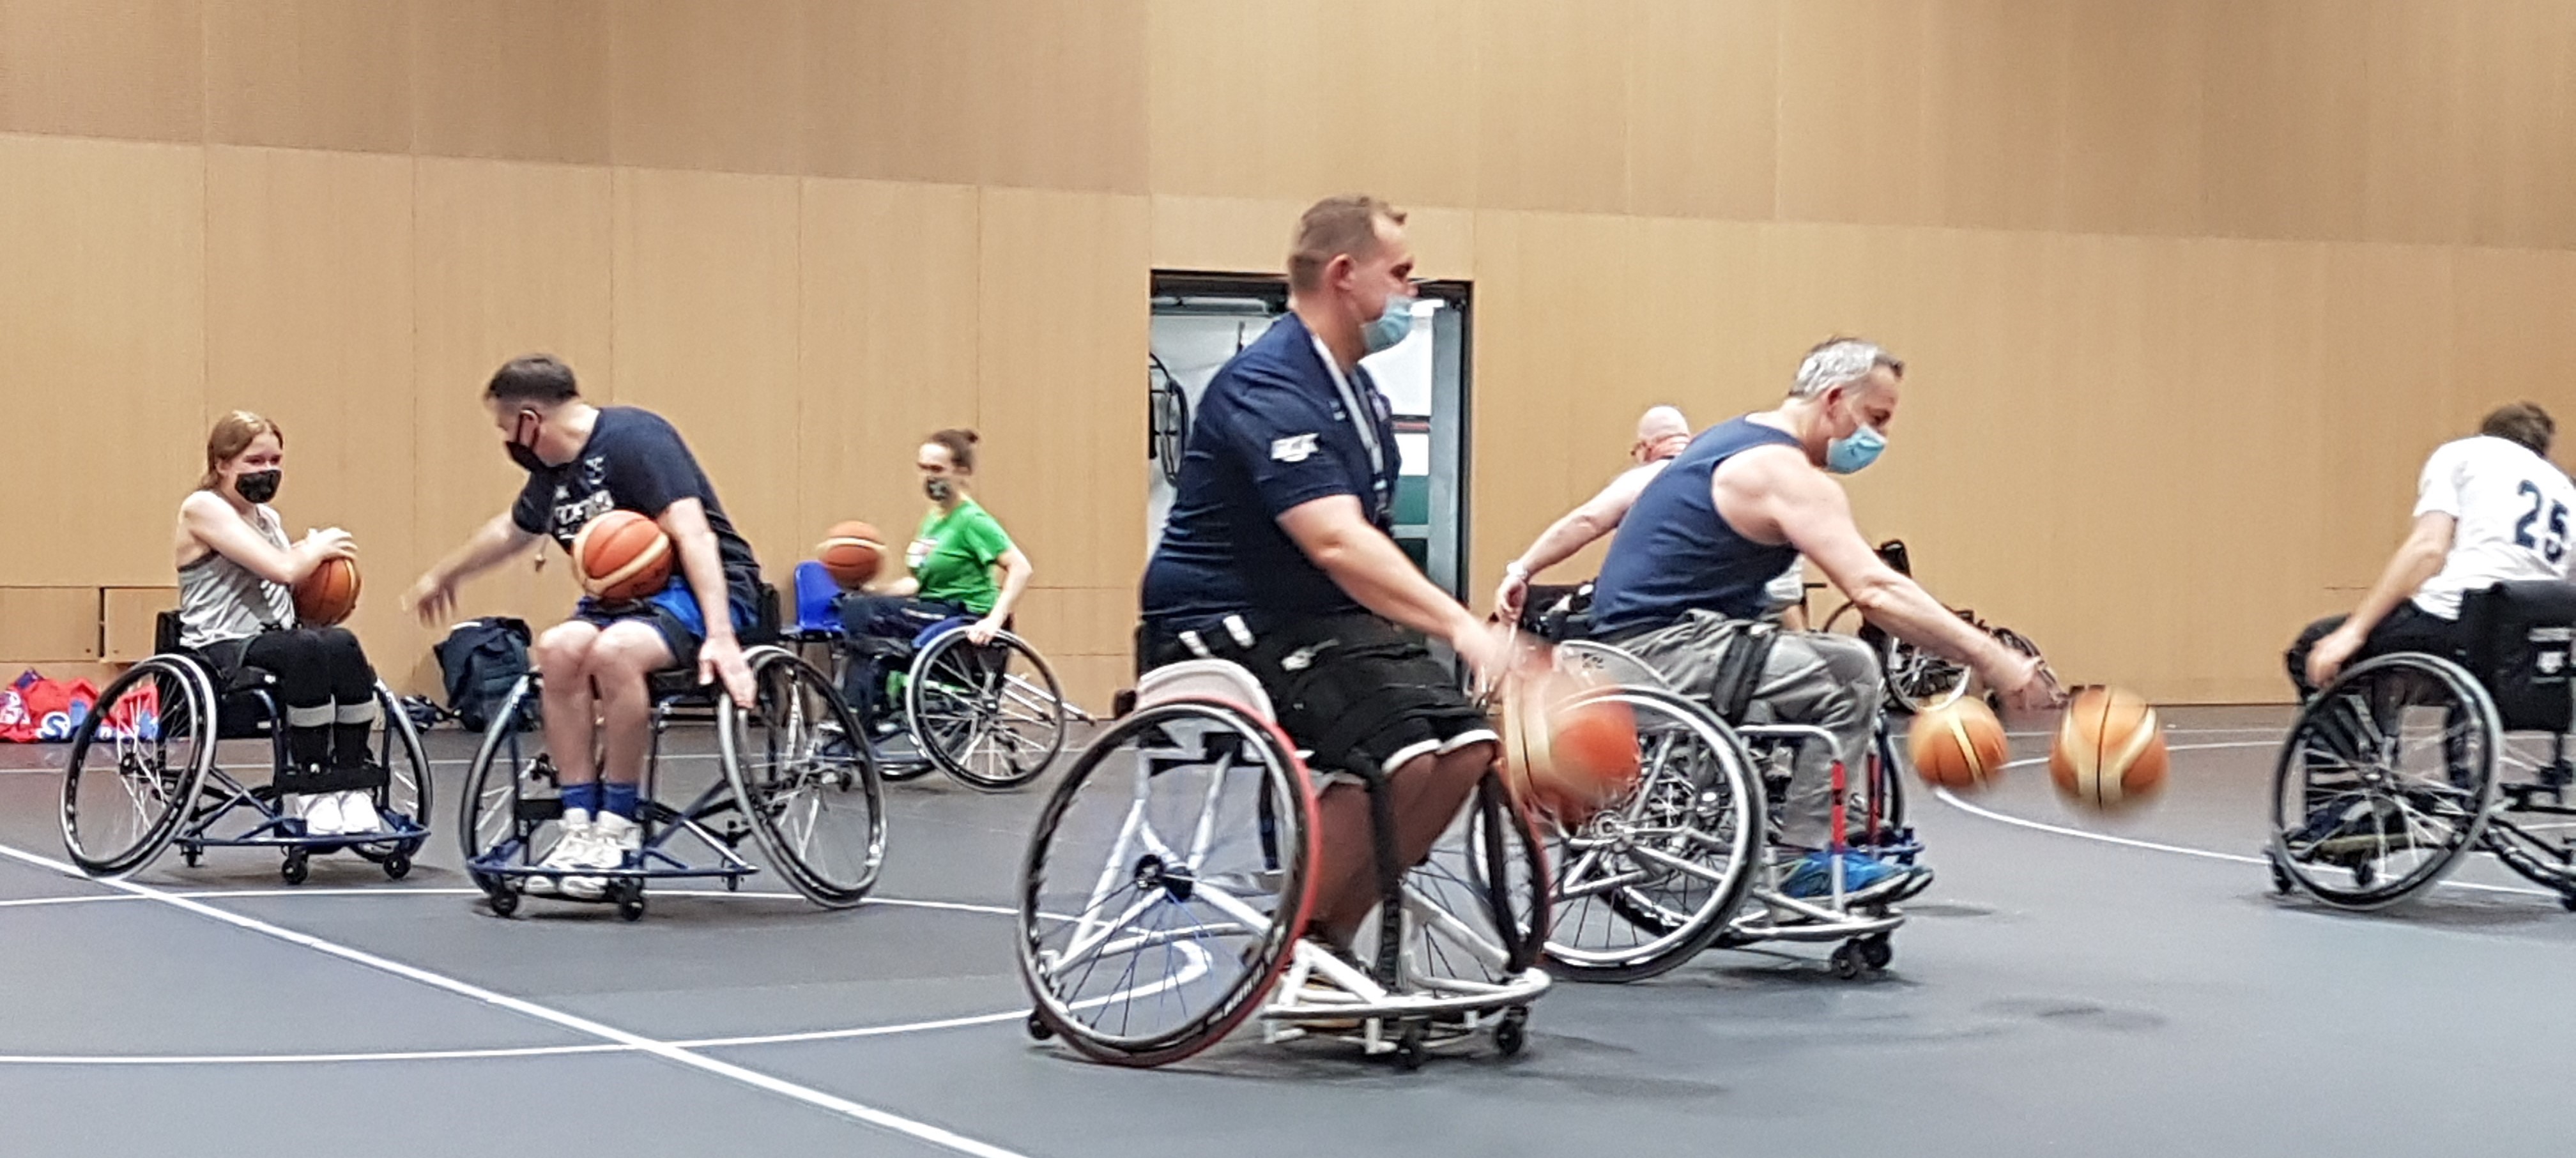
(478, 661)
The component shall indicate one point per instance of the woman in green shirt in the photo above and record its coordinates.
(949, 573)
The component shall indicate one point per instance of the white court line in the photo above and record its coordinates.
(897, 1123)
(396, 891)
(1951, 799)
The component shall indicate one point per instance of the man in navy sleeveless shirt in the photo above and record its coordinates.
(1277, 556)
(1745, 500)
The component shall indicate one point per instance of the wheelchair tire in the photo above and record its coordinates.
(497, 818)
(992, 716)
(1167, 882)
(1651, 882)
(1916, 680)
(2356, 761)
(810, 791)
(1489, 874)
(407, 793)
(126, 796)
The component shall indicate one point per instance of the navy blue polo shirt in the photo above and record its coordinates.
(1273, 431)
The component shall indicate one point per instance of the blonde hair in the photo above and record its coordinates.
(233, 434)
(1332, 227)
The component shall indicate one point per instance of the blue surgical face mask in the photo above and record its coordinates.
(1390, 327)
(1851, 452)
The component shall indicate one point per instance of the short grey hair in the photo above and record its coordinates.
(1841, 362)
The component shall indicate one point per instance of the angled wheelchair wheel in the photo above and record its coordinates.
(1651, 881)
(404, 800)
(989, 715)
(136, 764)
(2531, 828)
(1479, 905)
(1918, 680)
(2385, 780)
(811, 794)
(1167, 882)
(512, 808)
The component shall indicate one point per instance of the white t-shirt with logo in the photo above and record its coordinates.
(2513, 508)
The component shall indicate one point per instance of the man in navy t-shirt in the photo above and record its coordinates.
(1689, 567)
(584, 461)
(1277, 556)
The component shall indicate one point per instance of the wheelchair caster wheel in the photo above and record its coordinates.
(1410, 1048)
(630, 902)
(397, 866)
(297, 866)
(192, 856)
(1876, 952)
(2281, 882)
(2364, 874)
(1039, 1030)
(1512, 1035)
(2567, 901)
(1847, 961)
(505, 901)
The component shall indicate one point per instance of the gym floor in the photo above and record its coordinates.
(2062, 990)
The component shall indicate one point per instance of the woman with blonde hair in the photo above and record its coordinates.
(237, 572)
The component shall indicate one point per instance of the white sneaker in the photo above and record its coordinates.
(612, 840)
(571, 851)
(322, 815)
(358, 814)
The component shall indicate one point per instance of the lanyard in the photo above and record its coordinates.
(1363, 418)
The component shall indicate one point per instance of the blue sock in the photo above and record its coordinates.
(619, 799)
(582, 796)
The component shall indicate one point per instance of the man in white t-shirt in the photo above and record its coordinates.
(2487, 509)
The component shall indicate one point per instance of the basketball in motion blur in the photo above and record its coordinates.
(327, 593)
(1958, 746)
(2110, 753)
(851, 553)
(621, 556)
(1563, 754)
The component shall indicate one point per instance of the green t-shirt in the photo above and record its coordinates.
(954, 554)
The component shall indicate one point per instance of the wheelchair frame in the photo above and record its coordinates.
(1433, 980)
(205, 795)
(502, 863)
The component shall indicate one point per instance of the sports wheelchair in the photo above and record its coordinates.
(1167, 887)
(1680, 864)
(992, 716)
(149, 768)
(1917, 680)
(789, 778)
(2405, 762)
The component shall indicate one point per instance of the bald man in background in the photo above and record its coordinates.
(1662, 432)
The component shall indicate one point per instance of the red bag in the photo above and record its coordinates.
(79, 698)
(137, 714)
(47, 702)
(17, 723)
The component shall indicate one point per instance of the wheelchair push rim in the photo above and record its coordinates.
(991, 715)
(1650, 881)
(2386, 778)
(136, 767)
(1479, 907)
(1166, 883)
(810, 791)
(403, 801)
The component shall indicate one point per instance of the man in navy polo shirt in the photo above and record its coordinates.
(1277, 556)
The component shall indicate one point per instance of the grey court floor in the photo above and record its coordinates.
(2058, 993)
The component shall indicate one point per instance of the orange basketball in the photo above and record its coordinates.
(328, 593)
(1563, 756)
(851, 552)
(621, 556)
(1960, 747)
(2109, 754)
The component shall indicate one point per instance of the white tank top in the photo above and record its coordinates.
(220, 599)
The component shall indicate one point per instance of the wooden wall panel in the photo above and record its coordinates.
(1996, 76)
(1240, 235)
(2520, 78)
(890, 284)
(2383, 403)
(126, 621)
(709, 84)
(1551, 82)
(2285, 128)
(2507, 308)
(1389, 111)
(514, 259)
(49, 624)
(1702, 108)
(1851, 144)
(2133, 109)
(309, 321)
(504, 78)
(312, 74)
(1061, 341)
(706, 335)
(1060, 89)
(103, 68)
(892, 91)
(102, 280)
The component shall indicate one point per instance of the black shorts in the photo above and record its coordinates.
(1359, 693)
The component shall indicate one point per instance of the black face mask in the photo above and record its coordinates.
(525, 453)
(938, 489)
(258, 486)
